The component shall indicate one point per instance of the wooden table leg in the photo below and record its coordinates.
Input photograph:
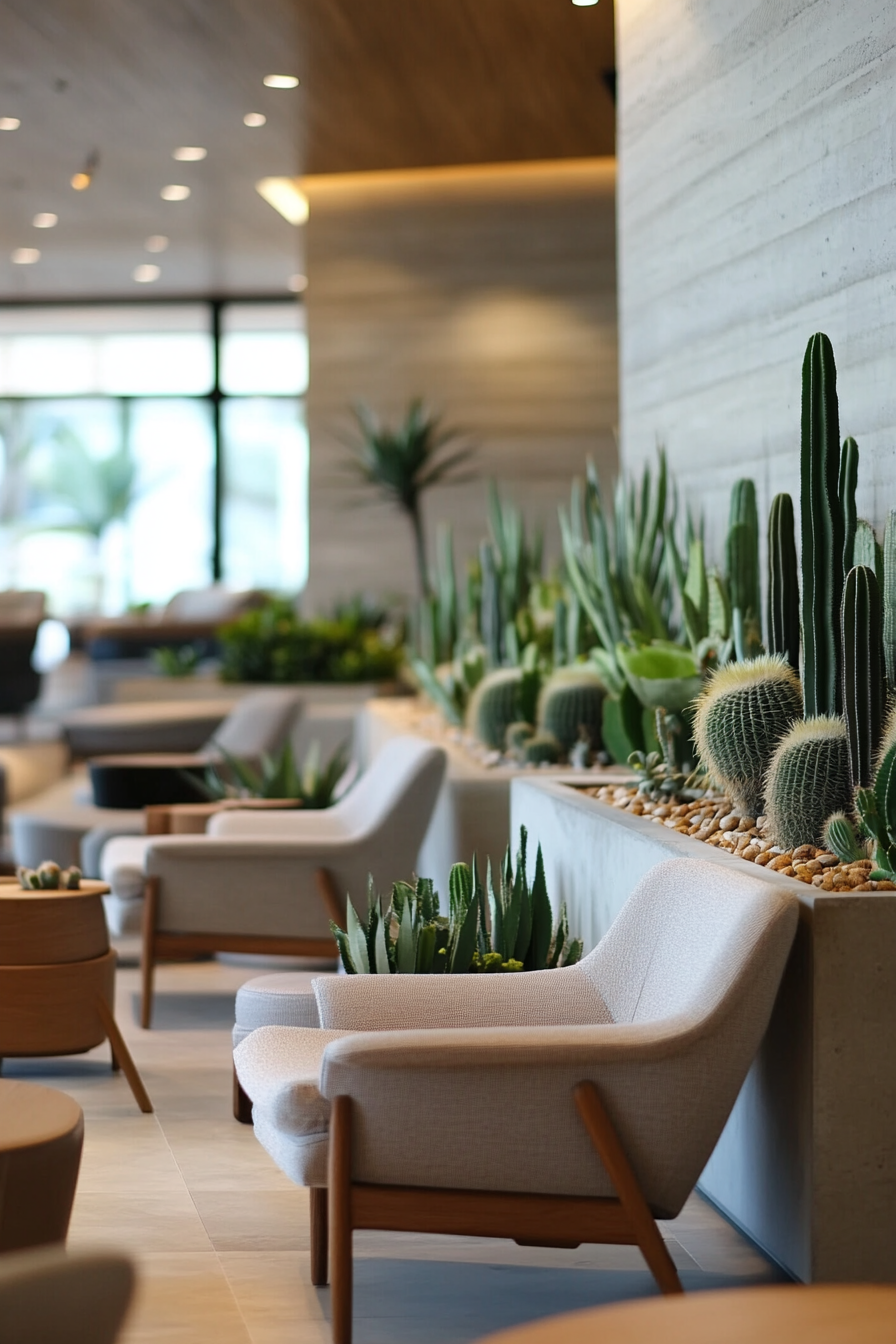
(121, 1053)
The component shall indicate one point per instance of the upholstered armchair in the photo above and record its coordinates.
(272, 881)
(552, 1107)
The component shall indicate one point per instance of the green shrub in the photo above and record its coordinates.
(273, 644)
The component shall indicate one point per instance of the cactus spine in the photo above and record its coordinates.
(572, 701)
(808, 780)
(846, 493)
(494, 706)
(783, 583)
(863, 674)
(821, 527)
(741, 715)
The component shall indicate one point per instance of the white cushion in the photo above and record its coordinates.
(122, 864)
(279, 1069)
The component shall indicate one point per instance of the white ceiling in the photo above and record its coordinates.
(133, 80)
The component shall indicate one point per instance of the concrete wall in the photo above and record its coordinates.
(492, 294)
(756, 206)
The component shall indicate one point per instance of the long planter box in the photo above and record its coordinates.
(806, 1165)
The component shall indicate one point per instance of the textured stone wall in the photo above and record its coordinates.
(492, 294)
(756, 205)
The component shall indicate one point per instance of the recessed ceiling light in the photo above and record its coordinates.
(45, 221)
(81, 181)
(281, 81)
(26, 256)
(583, 3)
(157, 242)
(189, 153)
(9, 123)
(283, 194)
(254, 119)
(297, 283)
(174, 193)
(146, 274)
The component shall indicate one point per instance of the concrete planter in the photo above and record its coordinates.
(806, 1165)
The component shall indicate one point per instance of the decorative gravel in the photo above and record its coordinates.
(712, 821)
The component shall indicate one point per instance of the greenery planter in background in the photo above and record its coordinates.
(807, 1162)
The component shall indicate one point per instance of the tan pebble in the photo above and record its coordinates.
(827, 860)
(813, 865)
(817, 879)
(712, 826)
(750, 853)
(866, 886)
(776, 849)
(742, 842)
(763, 858)
(728, 823)
(780, 861)
(788, 871)
(802, 871)
(681, 826)
(859, 865)
(696, 828)
(857, 879)
(636, 808)
(746, 823)
(827, 883)
(763, 844)
(661, 810)
(886, 886)
(681, 810)
(803, 852)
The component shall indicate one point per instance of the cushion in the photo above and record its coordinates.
(279, 1069)
(122, 864)
(279, 1000)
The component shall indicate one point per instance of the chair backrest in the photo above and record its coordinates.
(689, 932)
(51, 1296)
(258, 724)
(215, 604)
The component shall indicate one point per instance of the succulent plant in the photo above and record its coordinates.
(742, 549)
(517, 735)
(808, 781)
(846, 494)
(313, 784)
(822, 529)
(864, 690)
(572, 700)
(889, 587)
(740, 717)
(542, 749)
(495, 705)
(783, 621)
(49, 877)
(662, 776)
(839, 837)
(408, 934)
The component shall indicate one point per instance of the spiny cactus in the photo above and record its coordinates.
(839, 837)
(864, 691)
(743, 549)
(867, 550)
(808, 781)
(783, 583)
(49, 877)
(517, 735)
(572, 700)
(494, 706)
(890, 601)
(821, 526)
(542, 748)
(741, 715)
(846, 494)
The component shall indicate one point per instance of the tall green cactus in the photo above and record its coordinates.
(846, 493)
(864, 694)
(491, 620)
(890, 601)
(743, 548)
(821, 527)
(783, 622)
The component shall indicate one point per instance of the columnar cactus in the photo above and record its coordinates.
(890, 601)
(864, 691)
(846, 494)
(743, 549)
(821, 526)
(741, 715)
(494, 706)
(808, 781)
(491, 623)
(783, 583)
(572, 700)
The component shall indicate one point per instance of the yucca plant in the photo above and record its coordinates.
(409, 934)
(312, 784)
(405, 461)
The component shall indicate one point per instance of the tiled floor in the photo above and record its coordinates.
(221, 1237)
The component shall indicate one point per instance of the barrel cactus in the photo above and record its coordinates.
(494, 706)
(542, 749)
(808, 781)
(741, 715)
(572, 701)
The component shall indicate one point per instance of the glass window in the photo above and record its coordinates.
(265, 475)
(264, 349)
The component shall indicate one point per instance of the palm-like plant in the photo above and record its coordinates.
(404, 462)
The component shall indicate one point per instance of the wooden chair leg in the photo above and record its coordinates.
(150, 915)
(319, 1232)
(340, 1218)
(605, 1139)
(121, 1053)
(242, 1106)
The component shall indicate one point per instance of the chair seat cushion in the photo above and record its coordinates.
(279, 1070)
(122, 864)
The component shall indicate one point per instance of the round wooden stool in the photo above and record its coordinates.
(41, 1133)
(791, 1314)
(57, 977)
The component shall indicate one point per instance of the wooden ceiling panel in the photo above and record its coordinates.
(420, 83)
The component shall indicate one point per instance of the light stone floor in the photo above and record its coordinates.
(220, 1235)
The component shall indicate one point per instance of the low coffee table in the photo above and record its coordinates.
(57, 980)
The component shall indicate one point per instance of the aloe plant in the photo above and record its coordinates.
(876, 810)
(313, 784)
(408, 934)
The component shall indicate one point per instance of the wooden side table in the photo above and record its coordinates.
(57, 977)
(791, 1314)
(41, 1135)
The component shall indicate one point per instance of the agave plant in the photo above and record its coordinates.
(404, 462)
(409, 934)
(313, 785)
